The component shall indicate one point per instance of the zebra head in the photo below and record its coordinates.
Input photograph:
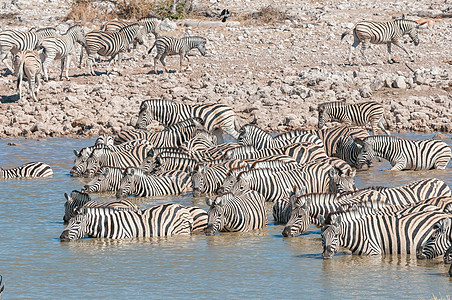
(77, 33)
(324, 116)
(92, 166)
(149, 164)
(201, 45)
(215, 215)
(228, 182)
(100, 182)
(343, 183)
(241, 185)
(81, 157)
(251, 135)
(438, 242)
(73, 202)
(299, 215)
(77, 227)
(448, 256)
(410, 28)
(366, 153)
(330, 235)
(105, 139)
(198, 178)
(127, 185)
(145, 116)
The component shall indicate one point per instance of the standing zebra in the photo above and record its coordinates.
(32, 169)
(136, 182)
(14, 41)
(111, 43)
(80, 199)
(62, 48)
(29, 64)
(251, 135)
(231, 212)
(151, 24)
(115, 223)
(172, 46)
(388, 33)
(378, 234)
(215, 117)
(360, 114)
(405, 154)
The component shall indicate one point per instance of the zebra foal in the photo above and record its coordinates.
(61, 47)
(28, 64)
(388, 33)
(166, 45)
(32, 169)
(360, 114)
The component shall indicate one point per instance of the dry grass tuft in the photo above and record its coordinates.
(267, 15)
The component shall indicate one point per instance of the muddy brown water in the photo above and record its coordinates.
(259, 264)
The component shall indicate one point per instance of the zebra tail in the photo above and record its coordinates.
(347, 32)
(150, 50)
(20, 73)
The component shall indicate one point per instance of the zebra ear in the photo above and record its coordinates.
(76, 153)
(359, 142)
(444, 224)
(150, 153)
(68, 199)
(333, 172)
(106, 171)
(209, 201)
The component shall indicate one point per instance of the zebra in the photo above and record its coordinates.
(360, 114)
(14, 41)
(329, 136)
(414, 191)
(105, 139)
(136, 182)
(78, 200)
(199, 216)
(31, 169)
(438, 242)
(106, 179)
(28, 64)
(202, 140)
(448, 256)
(231, 212)
(405, 154)
(172, 136)
(61, 47)
(215, 117)
(378, 234)
(302, 152)
(207, 179)
(166, 45)
(163, 163)
(388, 33)
(348, 150)
(100, 157)
(300, 210)
(251, 135)
(110, 43)
(151, 24)
(115, 223)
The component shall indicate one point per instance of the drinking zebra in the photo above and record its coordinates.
(405, 154)
(136, 182)
(61, 47)
(230, 212)
(215, 117)
(438, 242)
(116, 223)
(251, 135)
(172, 46)
(110, 43)
(14, 41)
(107, 179)
(77, 200)
(388, 33)
(448, 256)
(414, 191)
(377, 234)
(28, 64)
(348, 150)
(31, 169)
(359, 114)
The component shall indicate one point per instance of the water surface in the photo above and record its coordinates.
(259, 264)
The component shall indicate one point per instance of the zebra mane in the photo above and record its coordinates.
(233, 169)
(337, 103)
(353, 212)
(109, 210)
(264, 172)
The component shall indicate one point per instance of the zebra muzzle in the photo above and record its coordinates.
(64, 237)
(420, 253)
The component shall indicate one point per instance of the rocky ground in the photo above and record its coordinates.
(274, 74)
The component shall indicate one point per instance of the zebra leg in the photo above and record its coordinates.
(38, 80)
(3, 57)
(382, 126)
(89, 65)
(399, 166)
(162, 60)
(181, 61)
(188, 62)
(45, 65)
(397, 43)
(363, 48)
(390, 60)
(31, 87)
(67, 63)
(352, 49)
(156, 59)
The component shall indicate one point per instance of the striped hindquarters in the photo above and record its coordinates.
(32, 169)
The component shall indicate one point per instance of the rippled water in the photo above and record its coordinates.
(260, 264)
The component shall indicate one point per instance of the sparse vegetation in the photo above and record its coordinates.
(267, 14)
(102, 10)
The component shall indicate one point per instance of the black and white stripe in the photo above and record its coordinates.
(162, 220)
(78, 200)
(388, 33)
(214, 116)
(167, 45)
(239, 212)
(136, 182)
(28, 63)
(405, 154)
(111, 43)
(61, 47)
(32, 169)
(360, 114)
(107, 179)
(14, 41)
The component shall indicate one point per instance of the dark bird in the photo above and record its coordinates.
(224, 15)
